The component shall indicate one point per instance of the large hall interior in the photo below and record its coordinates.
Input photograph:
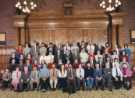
(67, 48)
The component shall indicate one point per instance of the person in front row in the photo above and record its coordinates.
(108, 76)
(6, 79)
(71, 82)
(25, 78)
(34, 79)
(16, 77)
(53, 77)
(43, 76)
(98, 75)
(127, 76)
(62, 74)
(80, 77)
(117, 75)
(89, 76)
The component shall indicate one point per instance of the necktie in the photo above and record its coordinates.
(80, 73)
(117, 72)
(70, 73)
(17, 75)
(53, 72)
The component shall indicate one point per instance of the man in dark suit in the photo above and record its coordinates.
(108, 76)
(98, 74)
(71, 82)
(25, 78)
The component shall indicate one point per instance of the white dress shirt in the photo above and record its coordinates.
(80, 73)
(62, 75)
(116, 72)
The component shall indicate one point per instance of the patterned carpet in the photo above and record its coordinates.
(79, 94)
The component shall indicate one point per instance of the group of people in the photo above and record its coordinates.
(69, 67)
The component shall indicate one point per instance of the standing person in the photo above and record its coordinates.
(128, 52)
(115, 56)
(12, 65)
(43, 76)
(26, 49)
(49, 60)
(42, 50)
(34, 50)
(99, 57)
(58, 56)
(125, 62)
(80, 77)
(28, 64)
(53, 77)
(84, 56)
(123, 55)
(62, 75)
(34, 78)
(13, 57)
(16, 77)
(89, 76)
(76, 63)
(71, 82)
(21, 60)
(91, 58)
(67, 51)
(75, 51)
(19, 49)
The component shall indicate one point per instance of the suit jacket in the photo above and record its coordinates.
(73, 72)
(26, 76)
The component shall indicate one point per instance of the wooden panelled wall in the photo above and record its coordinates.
(54, 27)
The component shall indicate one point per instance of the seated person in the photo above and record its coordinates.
(98, 75)
(6, 79)
(71, 81)
(108, 76)
(16, 77)
(25, 78)
(127, 75)
(1, 75)
(62, 75)
(80, 77)
(117, 75)
(53, 77)
(43, 76)
(34, 78)
(89, 76)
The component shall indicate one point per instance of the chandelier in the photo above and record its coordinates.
(26, 6)
(110, 5)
